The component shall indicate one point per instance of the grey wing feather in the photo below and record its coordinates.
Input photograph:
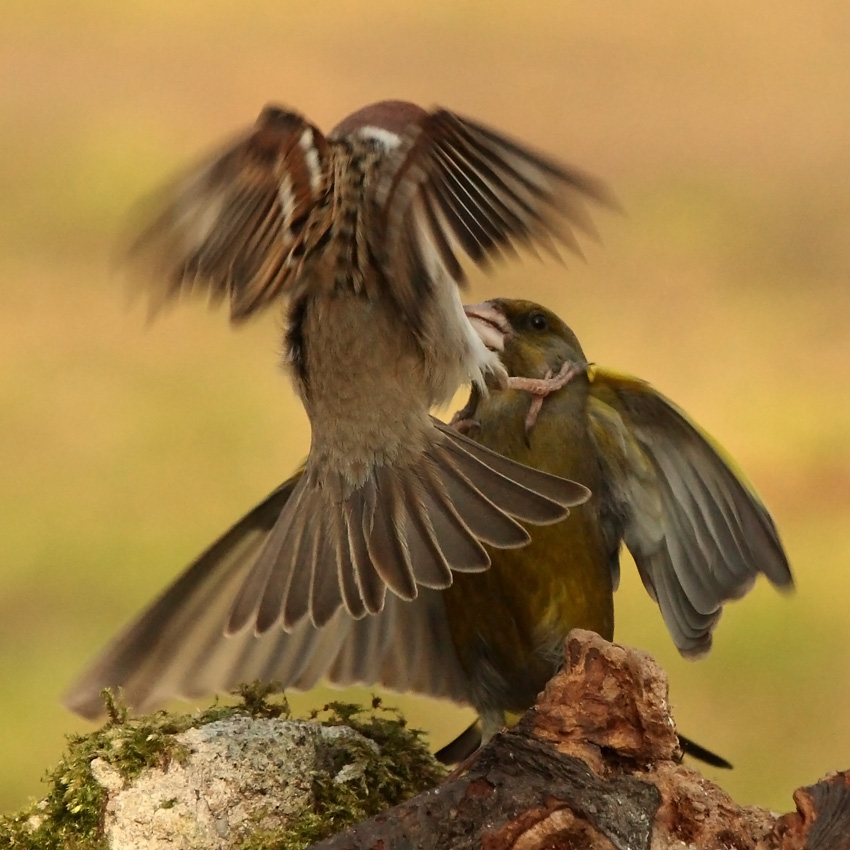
(407, 647)
(300, 561)
(178, 647)
(698, 533)
(406, 527)
(189, 615)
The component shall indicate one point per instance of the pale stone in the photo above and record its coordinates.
(241, 774)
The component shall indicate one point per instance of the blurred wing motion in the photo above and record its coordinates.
(453, 185)
(699, 535)
(238, 225)
(178, 648)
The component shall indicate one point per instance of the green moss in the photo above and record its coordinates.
(401, 767)
(71, 815)
(405, 765)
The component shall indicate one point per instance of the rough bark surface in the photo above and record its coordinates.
(596, 765)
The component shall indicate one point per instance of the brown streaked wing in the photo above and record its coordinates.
(455, 185)
(238, 225)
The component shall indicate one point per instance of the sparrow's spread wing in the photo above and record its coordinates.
(178, 646)
(698, 533)
(238, 225)
(454, 186)
(406, 528)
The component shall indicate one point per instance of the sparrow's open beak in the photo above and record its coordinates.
(490, 324)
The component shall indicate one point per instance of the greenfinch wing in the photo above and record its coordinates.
(698, 532)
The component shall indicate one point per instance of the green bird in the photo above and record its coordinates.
(698, 534)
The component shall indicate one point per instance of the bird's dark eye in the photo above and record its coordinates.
(539, 322)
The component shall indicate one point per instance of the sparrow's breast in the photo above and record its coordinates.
(362, 379)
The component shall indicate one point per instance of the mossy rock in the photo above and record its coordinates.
(244, 776)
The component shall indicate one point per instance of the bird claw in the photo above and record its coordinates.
(463, 420)
(540, 388)
(463, 424)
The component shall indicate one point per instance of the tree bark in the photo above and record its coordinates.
(596, 764)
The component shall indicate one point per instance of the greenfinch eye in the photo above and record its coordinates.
(539, 322)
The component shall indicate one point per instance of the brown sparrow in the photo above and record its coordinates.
(361, 231)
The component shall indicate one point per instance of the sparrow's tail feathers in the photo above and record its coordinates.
(409, 526)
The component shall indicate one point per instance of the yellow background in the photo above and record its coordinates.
(723, 127)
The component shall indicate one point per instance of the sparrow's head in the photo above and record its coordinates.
(530, 339)
(384, 122)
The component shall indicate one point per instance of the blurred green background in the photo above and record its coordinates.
(724, 129)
